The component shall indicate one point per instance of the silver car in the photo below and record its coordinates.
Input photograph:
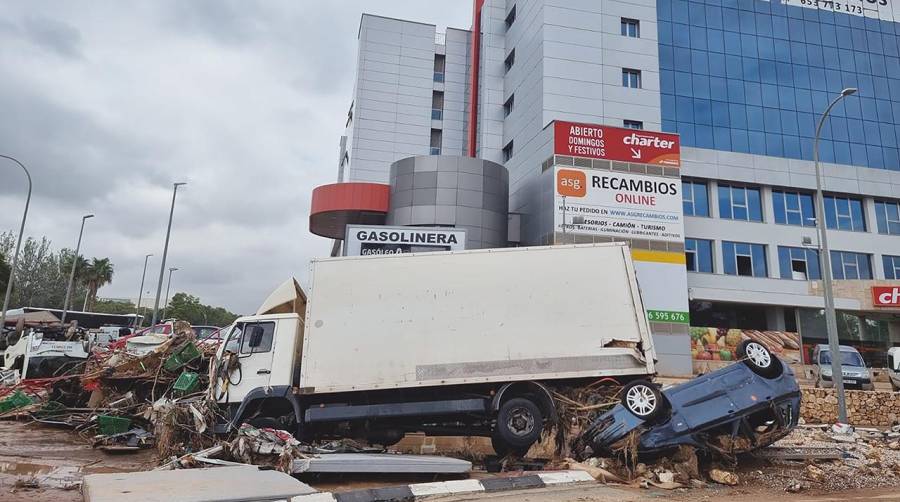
(853, 368)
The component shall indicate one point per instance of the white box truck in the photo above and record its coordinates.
(446, 343)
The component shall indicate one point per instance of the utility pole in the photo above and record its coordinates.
(830, 315)
(169, 285)
(141, 293)
(162, 266)
(74, 266)
(15, 260)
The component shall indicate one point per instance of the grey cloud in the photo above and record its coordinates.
(246, 100)
(54, 36)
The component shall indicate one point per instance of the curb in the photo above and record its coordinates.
(421, 491)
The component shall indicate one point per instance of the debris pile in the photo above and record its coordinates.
(122, 400)
(577, 407)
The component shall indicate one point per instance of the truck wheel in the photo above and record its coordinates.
(266, 423)
(759, 359)
(519, 425)
(643, 400)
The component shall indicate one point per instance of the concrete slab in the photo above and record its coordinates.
(219, 484)
(381, 463)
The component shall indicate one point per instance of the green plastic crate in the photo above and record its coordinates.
(17, 400)
(187, 354)
(110, 425)
(187, 382)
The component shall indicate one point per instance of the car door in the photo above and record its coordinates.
(252, 343)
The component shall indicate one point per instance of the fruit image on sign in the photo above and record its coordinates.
(720, 344)
(616, 143)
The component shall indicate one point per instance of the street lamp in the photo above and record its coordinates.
(12, 270)
(137, 312)
(162, 266)
(830, 315)
(169, 285)
(74, 265)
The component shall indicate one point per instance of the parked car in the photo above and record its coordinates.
(894, 367)
(208, 334)
(165, 328)
(744, 406)
(853, 368)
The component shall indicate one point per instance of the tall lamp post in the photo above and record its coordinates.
(830, 315)
(12, 269)
(162, 266)
(74, 265)
(137, 311)
(168, 285)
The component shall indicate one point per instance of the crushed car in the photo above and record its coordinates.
(736, 409)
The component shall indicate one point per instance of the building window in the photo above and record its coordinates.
(694, 198)
(843, 213)
(436, 140)
(745, 259)
(633, 124)
(799, 264)
(793, 208)
(508, 151)
(510, 60)
(440, 66)
(631, 78)
(698, 255)
(437, 105)
(509, 105)
(891, 267)
(631, 28)
(847, 265)
(739, 203)
(887, 215)
(511, 17)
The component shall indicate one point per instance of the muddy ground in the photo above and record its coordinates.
(42, 464)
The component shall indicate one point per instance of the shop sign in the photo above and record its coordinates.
(886, 296)
(614, 204)
(365, 240)
(616, 143)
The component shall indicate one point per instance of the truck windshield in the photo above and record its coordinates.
(234, 339)
(852, 359)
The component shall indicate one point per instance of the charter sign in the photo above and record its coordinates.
(616, 143)
(613, 204)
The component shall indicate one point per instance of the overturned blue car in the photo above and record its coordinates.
(736, 409)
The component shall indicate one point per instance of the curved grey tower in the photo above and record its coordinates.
(446, 191)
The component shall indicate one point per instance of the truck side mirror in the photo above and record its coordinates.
(256, 336)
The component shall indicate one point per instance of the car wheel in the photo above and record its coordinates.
(643, 400)
(760, 360)
(519, 425)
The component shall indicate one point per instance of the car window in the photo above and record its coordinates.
(266, 343)
(204, 332)
(234, 338)
(852, 359)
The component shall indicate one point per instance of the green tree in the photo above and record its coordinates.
(98, 274)
(113, 307)
(4, 274)
(188, 308)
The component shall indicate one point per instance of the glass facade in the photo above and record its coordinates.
(698, 255)
(793, 208)
(694, 198)
(847, 265)
(741, 258)
(739, 203)
(799, 263)
(843, 213)
(752, 76)
(891, 267)
(888, 217)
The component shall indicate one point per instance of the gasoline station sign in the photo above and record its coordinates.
(615, 143)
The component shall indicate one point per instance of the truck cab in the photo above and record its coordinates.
(254, 375)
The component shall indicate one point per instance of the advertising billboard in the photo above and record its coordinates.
(365, 240)
(616, 143)
(615, 204)
(886, 296)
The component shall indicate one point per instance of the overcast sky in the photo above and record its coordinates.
(109, 102)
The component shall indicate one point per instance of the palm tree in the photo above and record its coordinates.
(98, 274)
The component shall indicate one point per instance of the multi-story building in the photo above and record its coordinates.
(741, 82)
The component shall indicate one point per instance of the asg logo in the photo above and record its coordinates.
(886, 296)
(571, 183)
